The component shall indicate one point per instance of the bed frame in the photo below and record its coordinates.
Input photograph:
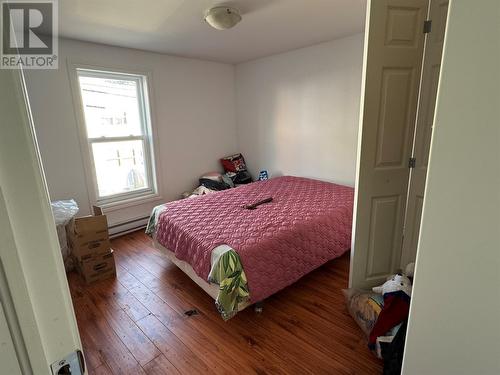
(211, 289)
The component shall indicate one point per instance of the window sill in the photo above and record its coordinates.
(129, 202)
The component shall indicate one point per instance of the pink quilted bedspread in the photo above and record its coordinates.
(307, 224)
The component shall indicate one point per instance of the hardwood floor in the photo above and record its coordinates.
(136, 323)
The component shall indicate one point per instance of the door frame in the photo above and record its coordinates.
(429, 81)
(34, 290)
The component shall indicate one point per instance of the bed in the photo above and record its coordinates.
(241, 256)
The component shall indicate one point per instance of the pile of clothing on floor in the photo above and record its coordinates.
(382, 314)
(235, 174)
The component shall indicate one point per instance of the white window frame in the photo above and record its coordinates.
(126, 199)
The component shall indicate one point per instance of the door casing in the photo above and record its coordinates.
(30, 254)
(438, 13)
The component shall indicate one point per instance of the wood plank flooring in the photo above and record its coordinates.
(135, 324)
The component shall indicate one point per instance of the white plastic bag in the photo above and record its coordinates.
(63, 212)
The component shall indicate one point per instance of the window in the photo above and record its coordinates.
(116, 114)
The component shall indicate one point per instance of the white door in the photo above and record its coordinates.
(391, 78)
(37, 322)
(438, 13)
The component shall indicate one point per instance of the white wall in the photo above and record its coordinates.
(454, 317)
(193, 105)
(297, 112)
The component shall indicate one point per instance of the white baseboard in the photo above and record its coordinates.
(120, 229)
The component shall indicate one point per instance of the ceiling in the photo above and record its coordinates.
(177, 27)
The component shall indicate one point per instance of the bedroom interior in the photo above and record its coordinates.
(250, 187)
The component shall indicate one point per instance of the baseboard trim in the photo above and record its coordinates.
(126, 227)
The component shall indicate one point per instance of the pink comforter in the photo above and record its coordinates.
(307, 224)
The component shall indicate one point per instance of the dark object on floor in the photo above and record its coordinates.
(191, 312)
(393, 352)
(259, 307)
(253, 206)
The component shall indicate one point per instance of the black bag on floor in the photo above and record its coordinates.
(393, 352)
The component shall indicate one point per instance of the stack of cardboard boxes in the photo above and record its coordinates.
(88, 239)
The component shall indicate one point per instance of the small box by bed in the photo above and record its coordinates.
(241, 256)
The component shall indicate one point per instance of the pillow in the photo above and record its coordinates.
(364, 307)
(234, 163)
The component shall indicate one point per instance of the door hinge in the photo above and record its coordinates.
(427, 26)
(412, 162)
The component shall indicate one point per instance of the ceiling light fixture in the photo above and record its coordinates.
(222, 18)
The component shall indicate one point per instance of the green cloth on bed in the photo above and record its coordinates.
(227, 272)
(153, 220)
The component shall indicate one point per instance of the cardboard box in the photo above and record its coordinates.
(98, 267)
(88, 236)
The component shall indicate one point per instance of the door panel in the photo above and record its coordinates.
(385, 212)
(391, 78)
(395, 94)
(402, 25)
(423, 131)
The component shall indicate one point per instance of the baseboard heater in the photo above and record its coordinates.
(122, 228)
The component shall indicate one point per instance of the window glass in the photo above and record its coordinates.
(111, 106)
(114, 108)
(119, 167)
